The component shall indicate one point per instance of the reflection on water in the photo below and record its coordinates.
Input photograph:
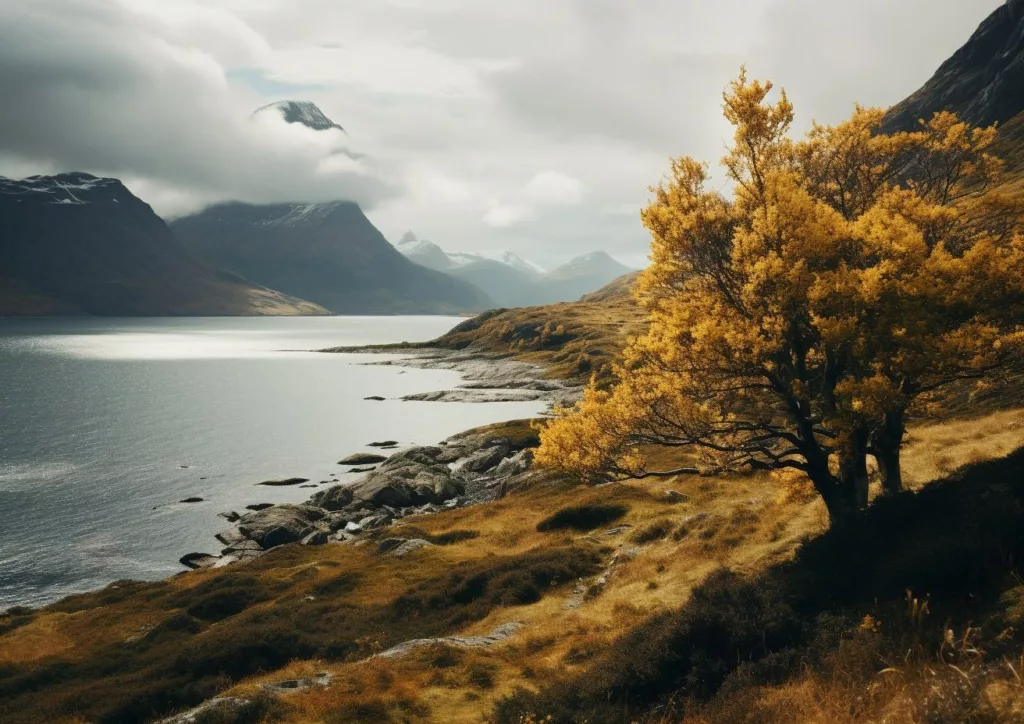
(105, 425)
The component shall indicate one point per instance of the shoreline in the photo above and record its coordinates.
(471, 467)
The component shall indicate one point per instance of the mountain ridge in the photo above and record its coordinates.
(78, 243)
(329, 252)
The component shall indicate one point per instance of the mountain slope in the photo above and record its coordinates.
(512, 281)
(983, 82)
(329, 253)
(77, 243)
(580, 276)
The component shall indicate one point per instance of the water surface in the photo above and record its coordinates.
(106, 424)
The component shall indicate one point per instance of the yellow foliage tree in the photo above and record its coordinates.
(849, 276)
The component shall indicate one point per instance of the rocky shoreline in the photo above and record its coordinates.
(468, 468)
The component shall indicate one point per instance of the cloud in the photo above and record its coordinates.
(552, 187)
(115, 89)
(533, 125)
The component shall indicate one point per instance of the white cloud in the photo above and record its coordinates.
(552, 187)
(532, 125)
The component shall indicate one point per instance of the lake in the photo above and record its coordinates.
(105, 424)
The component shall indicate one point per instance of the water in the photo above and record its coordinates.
(106, 424)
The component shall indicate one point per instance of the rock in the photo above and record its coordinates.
(515, 465)
(311, 486)
(334, 498)
(482, 460)
(619, 530)
(191, 500)
(230, 517)
(225, 561)
(502, 633)
(284, 482)
(224, 708)
(198, 560)
(385, 443)
(374, 398)
(289, 685)
(362, 470)
(242, 548)
(389, 544)
(259, 506)
(230, 537)
(413, 544)
(362, 459)
(280, 524)
(353, 527)
(674, 496)
(374, 521)
(316, 538)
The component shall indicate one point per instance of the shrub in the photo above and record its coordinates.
(582, 517)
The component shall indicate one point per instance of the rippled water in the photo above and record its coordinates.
(106, 424)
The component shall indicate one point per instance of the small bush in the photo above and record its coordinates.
(453, 536)
(582, 517)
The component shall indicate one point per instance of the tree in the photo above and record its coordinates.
(850, 278)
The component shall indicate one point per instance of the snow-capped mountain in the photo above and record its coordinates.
(511, 280)
(305, 113)
(75, 243)
(429, 254)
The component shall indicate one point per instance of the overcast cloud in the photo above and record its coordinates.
(535, 125)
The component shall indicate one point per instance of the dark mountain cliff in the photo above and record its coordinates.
(78, 243)
(329, 253)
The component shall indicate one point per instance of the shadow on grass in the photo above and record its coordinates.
(956, 543)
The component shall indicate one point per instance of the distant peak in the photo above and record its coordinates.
(305, 113)
(408, 238)
(72, 187)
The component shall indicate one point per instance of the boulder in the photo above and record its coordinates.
(384, 443)
(482, 460)
(230, 537)
(191, 500)
(374, 398)
(230, 517)
(198, 560)
(353, 527)
(280, 524)
(316, 538)
(375, 521)
(259, 506)
(362, 470)
(284, 482)
(225, 708)
(363, 459)
(409, 546)
(674, 496)
(389, 544)
(334, 498)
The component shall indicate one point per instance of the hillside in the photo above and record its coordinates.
(983, 82)
(329, 253)
(75, 243)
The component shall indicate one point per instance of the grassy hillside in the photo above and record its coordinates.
(721, 602)
(572, 339)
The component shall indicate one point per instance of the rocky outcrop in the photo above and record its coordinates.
(362, 459)
(467, 469)
(280, 524)
(221, 709)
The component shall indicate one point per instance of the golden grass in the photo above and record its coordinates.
(744, 522)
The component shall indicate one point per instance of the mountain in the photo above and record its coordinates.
(305, 113)
(579, 276)
(511, 280)
(983, 82)
(75, 243)
(508, 279)
(329, 253)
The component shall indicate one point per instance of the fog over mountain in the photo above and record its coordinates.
(531, 127)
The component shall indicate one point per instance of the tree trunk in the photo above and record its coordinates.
(853, 469)
(886, 443)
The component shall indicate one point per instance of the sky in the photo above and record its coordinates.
(536, 125)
